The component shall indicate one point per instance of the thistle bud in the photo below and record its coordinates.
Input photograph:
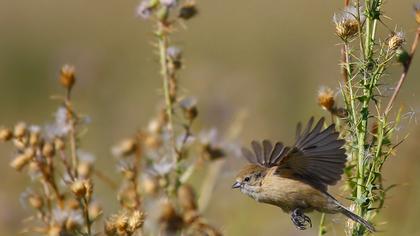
(189, 107)
(402, 56)
(67, 76)
(175, 55)
(5, 135)
(34, 135)
(417, 12)
(20, 161)
(188, 11)
(187, 198)
(78, 188)
(346, 24)
(20, 130)
(326, 98)
(396, 41)
(125, 148)
(135, 221)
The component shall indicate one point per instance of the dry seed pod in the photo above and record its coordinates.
(396, 41)
(326, 98)
(20, 161)
(67, 76)
(78, 188)
(5, 134)
(20, 130)
(186, 197)
(125, 148)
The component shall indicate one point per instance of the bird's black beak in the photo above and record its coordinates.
(236, 185)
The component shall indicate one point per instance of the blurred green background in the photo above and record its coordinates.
(265, 57)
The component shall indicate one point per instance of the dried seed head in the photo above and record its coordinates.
(187, 198)
(20, 161)
(20, 130)
(135, 221)
(346, 24)
(121, 222)
(396, 41)
(175, 57)
(211, 152)
(188, 10)
(417, 12)
(48, 150)
(34, 135)
(326, 98)
(67, 76)
(35, 201)
(20, 143)
(189, 107)
(125, 148)
(29, 152)
(79, 188)
(5, 134)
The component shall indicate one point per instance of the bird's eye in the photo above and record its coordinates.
(246, 179)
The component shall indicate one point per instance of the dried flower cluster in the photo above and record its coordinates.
(63, 204)
(155, 163)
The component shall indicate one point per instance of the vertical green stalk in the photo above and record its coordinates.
(163, 46)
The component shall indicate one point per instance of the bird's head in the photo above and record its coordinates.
(249, 179)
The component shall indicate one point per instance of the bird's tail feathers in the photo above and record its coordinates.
(356, 218)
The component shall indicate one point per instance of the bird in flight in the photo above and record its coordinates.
(296, 178)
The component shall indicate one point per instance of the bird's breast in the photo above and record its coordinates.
(289, 194)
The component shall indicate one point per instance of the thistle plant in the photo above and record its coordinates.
(367, 120)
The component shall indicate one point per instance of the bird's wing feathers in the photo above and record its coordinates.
(265, 154)
(317, 155)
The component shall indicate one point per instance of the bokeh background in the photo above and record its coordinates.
(267, 58)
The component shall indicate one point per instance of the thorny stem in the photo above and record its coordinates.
(404, 74)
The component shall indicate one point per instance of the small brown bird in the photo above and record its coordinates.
(296, 178)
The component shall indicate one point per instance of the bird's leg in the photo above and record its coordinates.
(300, 220)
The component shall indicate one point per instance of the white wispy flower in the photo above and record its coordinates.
(60, 127)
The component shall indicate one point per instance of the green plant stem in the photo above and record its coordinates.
(322, 230)
(163, 46)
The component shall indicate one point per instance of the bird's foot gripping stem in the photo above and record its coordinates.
(300, 220)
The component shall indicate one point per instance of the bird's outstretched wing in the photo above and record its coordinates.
(265, 153)
(317, 155)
